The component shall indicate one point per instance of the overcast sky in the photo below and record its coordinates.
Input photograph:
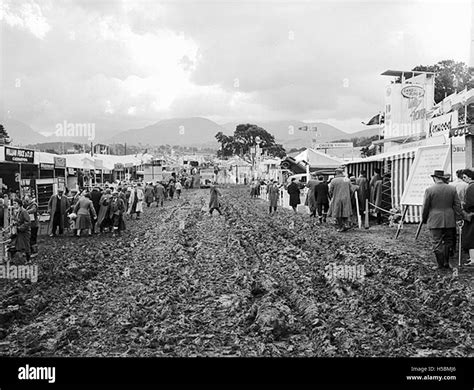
(126, 64)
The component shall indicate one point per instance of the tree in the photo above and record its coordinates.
(4, 138)
(244, 138)
(450, 76)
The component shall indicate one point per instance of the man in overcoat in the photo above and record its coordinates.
(441, 211)
(340, 206)
(58, 206)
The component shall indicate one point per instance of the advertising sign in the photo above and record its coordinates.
(413, 91)
(59, 162)
(427, 160)
(19, 155)
(334, 145)
(47, 166)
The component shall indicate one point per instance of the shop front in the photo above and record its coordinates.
(18, 170)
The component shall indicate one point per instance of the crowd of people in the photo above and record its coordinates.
(342, 197)
(346, 198)
(89, 211)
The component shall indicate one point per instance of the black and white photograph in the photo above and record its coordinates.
(219, 189)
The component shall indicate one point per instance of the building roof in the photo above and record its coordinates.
(398, 73)
(383, 156)
(318, 159)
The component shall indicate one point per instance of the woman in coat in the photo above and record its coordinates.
(468, 211)
(214, 203)
(84, 209)
(310, 197)
(340, 194)
(103, 220)
(377, 193)
(31, 208)
(135, 203)
(294, 192)
(354, 191)
(117, 209)
(273, 196)
(21, 229)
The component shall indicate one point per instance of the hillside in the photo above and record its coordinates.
(21, 134)
(179, 131)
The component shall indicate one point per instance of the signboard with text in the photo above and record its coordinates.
(47, 166)
(334, 145)
(19, 155)
(427, 160)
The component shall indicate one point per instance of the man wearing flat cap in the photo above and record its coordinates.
(441, 211)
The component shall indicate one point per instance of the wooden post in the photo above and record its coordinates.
(418, 230)
(366, 213)
(359, 219)
(400, 225)
(469, 151)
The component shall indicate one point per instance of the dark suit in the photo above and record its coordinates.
(321, 194)
(441, 210)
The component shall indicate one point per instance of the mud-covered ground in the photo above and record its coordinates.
(182, 283)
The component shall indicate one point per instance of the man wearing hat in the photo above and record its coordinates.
(441, 211)
(58, 206)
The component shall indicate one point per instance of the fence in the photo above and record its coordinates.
(284, 200)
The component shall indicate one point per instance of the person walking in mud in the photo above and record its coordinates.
(294, 192)
(273, 196)
(214, 203)
(441, 212)
(321, 194)
(340, 207)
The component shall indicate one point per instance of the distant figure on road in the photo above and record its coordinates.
(178, 188)
(214, 203)
(136, 201)
(273, 196)
(294, 192)
(160, 194)
(149, 194)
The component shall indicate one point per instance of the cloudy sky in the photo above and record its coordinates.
(126, 64)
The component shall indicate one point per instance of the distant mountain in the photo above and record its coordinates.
(179, 131)
(195, 132)
(21, 134)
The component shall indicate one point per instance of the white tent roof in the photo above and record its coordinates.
(318, 159)
(104, 161)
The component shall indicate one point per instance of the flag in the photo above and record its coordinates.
(376, 120)
(303, 128)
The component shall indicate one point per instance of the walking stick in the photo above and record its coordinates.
(460, 244)
(359, 218)
(418, 230)
(366, 213)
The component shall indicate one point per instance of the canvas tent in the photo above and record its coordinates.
(318, 160)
